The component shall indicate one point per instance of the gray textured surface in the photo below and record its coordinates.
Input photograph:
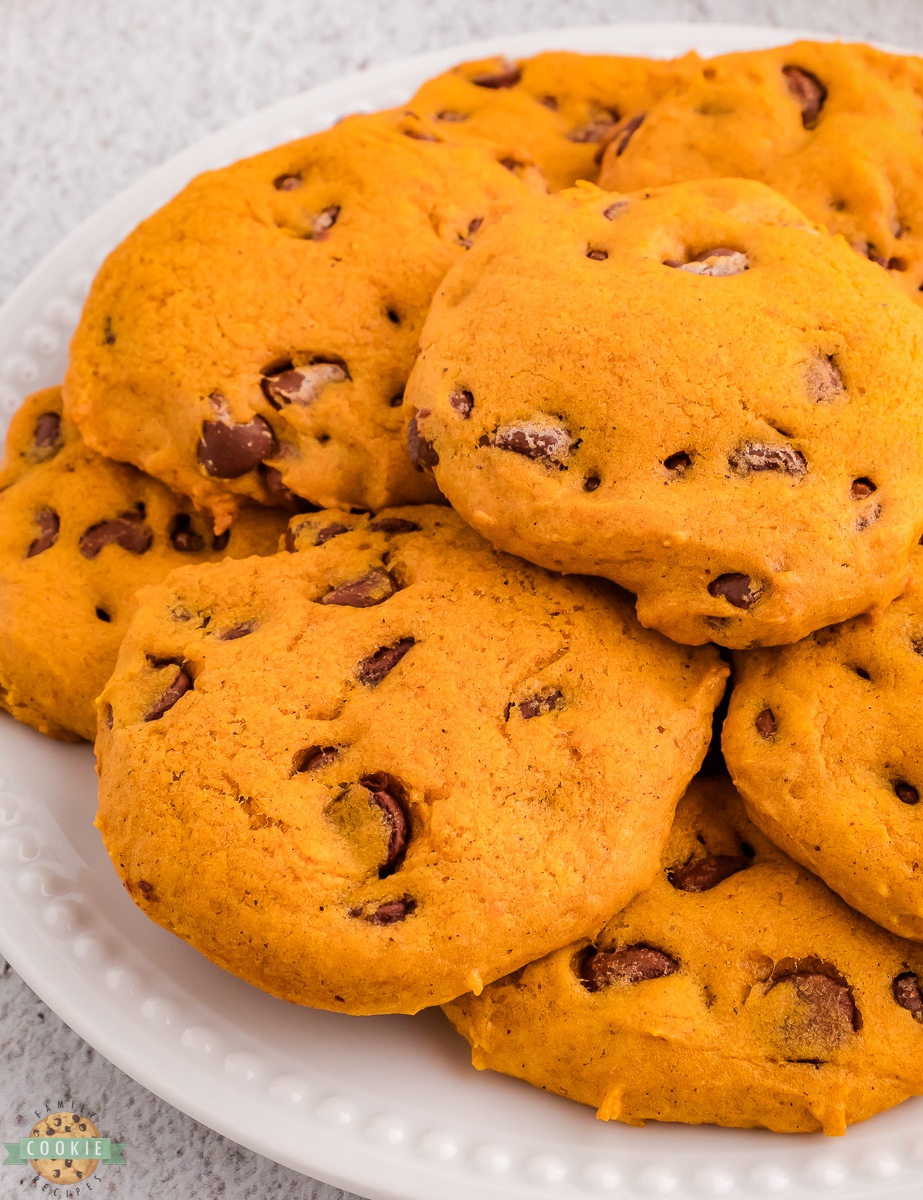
(92, 95)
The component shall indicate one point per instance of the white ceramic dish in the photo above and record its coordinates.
(388, 1107)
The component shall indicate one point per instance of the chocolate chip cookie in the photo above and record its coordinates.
(690, 391)
(556, 110)
(737, 990)
(78, 535)
(405, 763)
(834, 127)
(823, 740)
(253, 338)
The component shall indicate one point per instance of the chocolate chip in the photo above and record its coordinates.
(808, 91)
(545, 443)
(819, 986)
(421, 450)
(473, 226)
(146, 889)
(324, 222)
(760, 456)
(678, 463)
(626, 133)
(220, 540)
(313, 758)
(393, 525)
(635, 964)
(536, 706)
(126, 531)
(396, 400)
(596, 131)
(177, 689)
(286, 183)
(508, 75)
(228, 451)
(615, 209)
(463, 402)
(371, 589)
(46, 437)
(591, 483)
(549, 102)
(393, 316)
(450, 114)
(736, 589)
(244, 629)
(906, 991)
(102, 615)
(48, 523)
(387, 793)
(373, 669)
(328, 532)
(824, 380)
(597, 255)
(388, 913)
(720, 261)
(108, 334)
(183, 537)
(862, 488)
(766, 723)
(421, 135)
(302, 385)
(707, 873)
(906, 792)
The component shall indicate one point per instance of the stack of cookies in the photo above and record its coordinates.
(415, 493)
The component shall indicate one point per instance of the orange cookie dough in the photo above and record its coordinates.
(690, 391)
(78, 535)
(737, 990)
(253, 337)
(823, 740)
(393, 765)
(834, 127)
(557, 109)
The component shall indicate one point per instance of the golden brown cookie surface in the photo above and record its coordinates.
(834, 127)
(690, 391)
(78, 535)
(433, 761)
(823, 740)
(737, 990)
(254, 336)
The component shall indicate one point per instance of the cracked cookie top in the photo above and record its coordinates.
(405, 762)
(689, 390)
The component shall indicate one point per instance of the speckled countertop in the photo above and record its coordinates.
(92, 95)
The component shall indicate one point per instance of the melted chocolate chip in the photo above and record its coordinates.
(365, 592)
(506, 76)
(719, 261)
(286, 183)
(462, 402)
(102, 615)
(869, 517)
(862, 488)
(330, 531)
(827, 995)
(591, 483)
(220, 540)
(624, 135)
(596, 131)
(759, 456)
(825, 381)
(228, 451)
(906, 991)
(177, 689)
(372, 670)
(615, 209)
(313, 758)
(766, 723)
(808, 91)
(678, 463)
(421, 450)
(544, 443)
(146, 889)
(635, 964)
(48, 523)
(473, 226)
(183, 537)
(736, 589)
(46, 437)
(393, 525)
(449, 114)
(388, 913)
(127, 532)
(387, 793)
(597, 255)
(244, 629)
(906, 792)
(707, 873)
(324, 222)
(302, 385)
(536, 706)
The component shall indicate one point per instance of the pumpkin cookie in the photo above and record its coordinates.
(833, 127)
(823, 740)
(737, 990)
(690, 391)
(557, 110)
(78, 535)
(405, 763)
(253, 337)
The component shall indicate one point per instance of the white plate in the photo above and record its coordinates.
(388, 1107)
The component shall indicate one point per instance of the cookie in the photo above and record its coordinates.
(253, 337)
(834, 127)
(690, 391)
(737, 990)
(406, 764)
(557, 109)
(78, 535)
(822, 738)
(64, 1171)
